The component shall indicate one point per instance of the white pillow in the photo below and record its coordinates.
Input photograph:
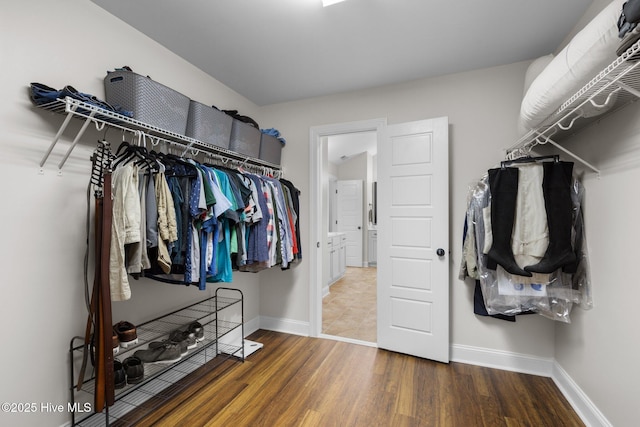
(534, 70)
(592, 49)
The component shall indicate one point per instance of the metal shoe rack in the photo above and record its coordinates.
(163, 381)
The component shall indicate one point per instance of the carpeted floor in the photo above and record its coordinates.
(350, 308)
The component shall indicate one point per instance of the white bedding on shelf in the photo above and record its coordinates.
(592, 49)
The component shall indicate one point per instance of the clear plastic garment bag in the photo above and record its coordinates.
(525, 241)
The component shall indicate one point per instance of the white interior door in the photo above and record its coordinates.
(413, 239)
(350, 219)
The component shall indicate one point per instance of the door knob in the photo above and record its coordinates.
(440, 252)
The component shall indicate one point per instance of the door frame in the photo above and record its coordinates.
(317, 137)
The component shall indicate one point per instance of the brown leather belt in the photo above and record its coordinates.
(100, 308)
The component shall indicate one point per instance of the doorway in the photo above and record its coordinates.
(412, 248)
(349, 304)
(339, 154)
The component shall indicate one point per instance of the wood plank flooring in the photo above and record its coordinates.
(301, 381)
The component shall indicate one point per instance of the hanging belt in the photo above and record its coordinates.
(100, 308)
(106, 324)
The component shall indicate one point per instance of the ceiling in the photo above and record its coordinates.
(273, 51)
(343, 147)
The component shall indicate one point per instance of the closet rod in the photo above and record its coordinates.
(547, 139)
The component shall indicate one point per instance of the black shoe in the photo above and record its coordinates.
(197, 329)
(187, 338)
(119, 375)
(134, 370)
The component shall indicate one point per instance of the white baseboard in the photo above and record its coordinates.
(577, 398)
(289, 326)
(349, 340)
(546, 367)
(251, 326)
(504, 360)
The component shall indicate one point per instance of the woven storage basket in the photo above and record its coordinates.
(151, 102)
(245, 139)
(209, 125)
(270, 149)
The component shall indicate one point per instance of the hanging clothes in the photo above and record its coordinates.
(517, 243)
(167, 226)
(258, 239)
(294, 195)
(125, 228)
(196, 223)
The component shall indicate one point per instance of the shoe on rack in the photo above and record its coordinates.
(197, 330)
(126, 333)
(182, 345)
(165, 353)
(134, 369)
(184, 336)
(119, 375)
(116, 343)
(185, 339)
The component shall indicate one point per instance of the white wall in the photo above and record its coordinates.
(60, 43)
(599, 349)
(43, 229)
(482, 107)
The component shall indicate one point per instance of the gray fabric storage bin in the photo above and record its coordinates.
(245, 139)
(270, 149)
(151, 102)
(208, 125)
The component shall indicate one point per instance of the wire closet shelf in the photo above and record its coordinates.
(100, 117)
(613, 88)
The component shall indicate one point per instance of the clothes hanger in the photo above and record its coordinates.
(528, 159)
(127, 153)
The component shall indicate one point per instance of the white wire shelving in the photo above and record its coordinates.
(89, 113)
(610, 90)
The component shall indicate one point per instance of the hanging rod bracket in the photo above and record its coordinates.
(628, 88)
(77, 138)
(569, 153)
(58, 135)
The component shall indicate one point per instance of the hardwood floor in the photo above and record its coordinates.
(350, 308)
(301, 381)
